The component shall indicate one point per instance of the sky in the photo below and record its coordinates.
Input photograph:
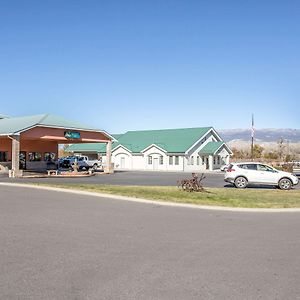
(133, 65)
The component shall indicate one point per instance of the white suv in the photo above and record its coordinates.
(242, 174)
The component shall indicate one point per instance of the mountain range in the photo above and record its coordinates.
(264, 135)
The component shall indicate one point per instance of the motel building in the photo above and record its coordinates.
(184, 149)
(31, 142)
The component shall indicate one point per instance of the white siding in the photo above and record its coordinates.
(156, 155)
(124, 159)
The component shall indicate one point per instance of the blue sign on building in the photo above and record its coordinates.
(72, 135)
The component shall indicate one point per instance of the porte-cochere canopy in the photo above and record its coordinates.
(42, 134)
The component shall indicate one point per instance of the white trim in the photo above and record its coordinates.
(218, 148)
(154, 145)
(225, 145)
(203, 136)
(121, 146)
(220, 139)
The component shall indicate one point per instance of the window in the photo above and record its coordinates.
(264, 168)
(218, 160)
(198, 160)
(149, 160)
(203, 161)
(176, 160)
(192, 160)
(170, 160)
(3, 156)
(214, 160)
(49, 156)
(248, 166)
(34, 156)
(161, 160)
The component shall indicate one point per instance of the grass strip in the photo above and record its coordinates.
(227, 197)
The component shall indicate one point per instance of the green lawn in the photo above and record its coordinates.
(229, 197)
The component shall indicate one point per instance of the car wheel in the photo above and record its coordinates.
(285, 184)
(240, 182)
(95, 166)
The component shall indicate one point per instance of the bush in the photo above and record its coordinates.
(287, 168)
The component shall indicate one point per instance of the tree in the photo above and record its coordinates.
(271, 155)
(239, 154)
(289, 157)
(257, 151)
(62, 151)
(281, 147)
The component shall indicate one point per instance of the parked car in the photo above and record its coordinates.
(224, 167)
(91, 163)
(65, 162)
(83, 162)
(242, 174)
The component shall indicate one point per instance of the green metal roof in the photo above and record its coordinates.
(170, 140)
(211, 148)
(87, 147)
(92, 147)
(15, 125)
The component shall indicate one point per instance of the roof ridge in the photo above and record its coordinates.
(43, 118)
(208, 127)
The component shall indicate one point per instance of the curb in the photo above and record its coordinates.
(158, 203)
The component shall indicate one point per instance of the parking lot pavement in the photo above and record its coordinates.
(212, 179)
(128, 178)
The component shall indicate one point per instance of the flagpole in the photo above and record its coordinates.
(252, 137)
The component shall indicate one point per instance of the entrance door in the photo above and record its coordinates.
(122, 162)
(207, 163)
(22, 160)
(155, 163)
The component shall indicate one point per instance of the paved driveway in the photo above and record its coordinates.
(65, 246)
(130, 178)
(213, 179)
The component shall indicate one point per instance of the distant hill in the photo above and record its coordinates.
(268, 135)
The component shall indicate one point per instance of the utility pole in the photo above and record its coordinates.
(252, 138)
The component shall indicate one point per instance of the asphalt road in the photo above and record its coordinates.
(64, 246)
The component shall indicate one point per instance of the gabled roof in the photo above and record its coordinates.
(155, 146)
(212, 147)
(15, 125)
(169, 140)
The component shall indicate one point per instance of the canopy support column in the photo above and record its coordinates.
(15, 156)
(109, 167)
